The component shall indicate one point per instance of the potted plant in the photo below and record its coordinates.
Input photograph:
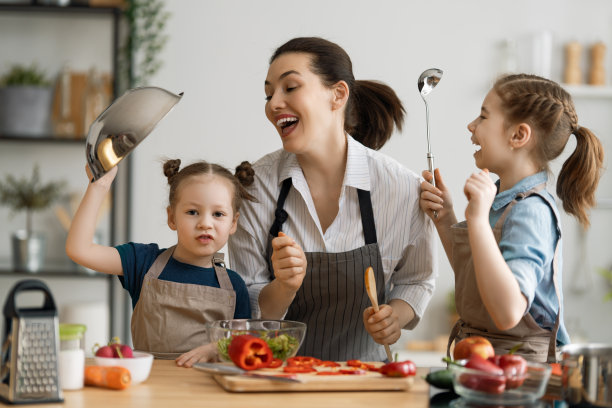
(29, 195)
(26, 96)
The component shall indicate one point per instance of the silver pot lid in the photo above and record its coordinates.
(124, 124)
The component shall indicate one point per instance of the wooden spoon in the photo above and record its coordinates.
(370, 284)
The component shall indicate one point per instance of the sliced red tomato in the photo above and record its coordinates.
(299, 361)
(299, 369)
(275, 363)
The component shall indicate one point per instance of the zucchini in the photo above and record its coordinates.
(442, 379)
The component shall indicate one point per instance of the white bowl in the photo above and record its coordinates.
(139, 365)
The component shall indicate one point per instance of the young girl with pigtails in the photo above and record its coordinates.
(507, 256)
(175, 290)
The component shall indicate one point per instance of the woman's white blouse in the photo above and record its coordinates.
(405, 234)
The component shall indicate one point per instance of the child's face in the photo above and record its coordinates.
(298, 104)
(491, 135)
(202, 217)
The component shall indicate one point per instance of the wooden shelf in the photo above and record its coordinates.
(42, 139)
(58, 269)
(589, 91)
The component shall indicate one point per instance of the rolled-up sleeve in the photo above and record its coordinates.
(413, 279)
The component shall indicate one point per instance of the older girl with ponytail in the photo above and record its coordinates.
(507, 254)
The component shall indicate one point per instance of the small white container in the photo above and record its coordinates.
(72, 356)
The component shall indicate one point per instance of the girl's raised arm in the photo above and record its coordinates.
(79, 244)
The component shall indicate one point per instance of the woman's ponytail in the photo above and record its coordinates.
(373, 112)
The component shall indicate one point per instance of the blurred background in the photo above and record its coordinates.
(217, 53)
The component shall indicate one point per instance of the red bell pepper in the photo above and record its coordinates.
(303, 361)
(275, 363)
(515, 369)
(249, 352)
(398, 369)
(492, 380)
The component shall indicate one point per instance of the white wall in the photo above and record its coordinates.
(218, 53)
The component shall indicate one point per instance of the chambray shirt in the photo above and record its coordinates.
(406, 236)
(529, 238)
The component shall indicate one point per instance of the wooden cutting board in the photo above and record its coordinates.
(370, 381)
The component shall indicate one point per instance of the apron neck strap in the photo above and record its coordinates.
(367, 216)
(160, 262)
(221, 271)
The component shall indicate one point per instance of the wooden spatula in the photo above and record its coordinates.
(370, 284)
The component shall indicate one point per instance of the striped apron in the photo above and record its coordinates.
(169, 317)
(332, 297)
(537, 343)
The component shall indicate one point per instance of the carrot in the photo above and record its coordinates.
(114, 377)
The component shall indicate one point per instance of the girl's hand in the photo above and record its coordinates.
(288, 261)
(206, 353)
(383, 325)
(435, 198)
(480, 192)
(105, 181)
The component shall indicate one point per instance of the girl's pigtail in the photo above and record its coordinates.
(580, 174)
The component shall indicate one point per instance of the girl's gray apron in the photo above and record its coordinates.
(538, 344)
(169, 317)
(332, 297)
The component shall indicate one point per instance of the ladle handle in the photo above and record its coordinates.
(430, 165)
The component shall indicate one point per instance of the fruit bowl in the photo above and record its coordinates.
(283, 336)
(139, 365)
(487, 388)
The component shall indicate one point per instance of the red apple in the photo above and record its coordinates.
(473, 345)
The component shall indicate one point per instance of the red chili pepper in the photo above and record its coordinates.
(492, 380)
(515, 369)
(275, 363)
(398, 369)
(249, 352)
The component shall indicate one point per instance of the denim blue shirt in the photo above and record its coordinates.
(529, 237)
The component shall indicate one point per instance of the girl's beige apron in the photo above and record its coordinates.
(332, 297)
(169, 317)
(538, 344)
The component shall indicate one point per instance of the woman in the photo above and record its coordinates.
(342, 205)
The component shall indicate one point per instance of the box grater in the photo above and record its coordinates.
(30, 349)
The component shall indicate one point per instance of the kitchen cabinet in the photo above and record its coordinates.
(53, 36)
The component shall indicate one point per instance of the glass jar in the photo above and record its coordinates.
(72, 356)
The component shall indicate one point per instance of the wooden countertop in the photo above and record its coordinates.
(172, 386)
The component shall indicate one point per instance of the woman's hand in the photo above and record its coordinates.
(435, 199)
(383, 325)
(206, 353)
(288, 262)
(480, 192)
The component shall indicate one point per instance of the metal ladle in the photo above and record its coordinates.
(426, 83)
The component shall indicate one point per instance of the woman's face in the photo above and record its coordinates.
(298, 104)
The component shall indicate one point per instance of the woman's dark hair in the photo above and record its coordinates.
(243, 178)
(372, 109)
(549, 110)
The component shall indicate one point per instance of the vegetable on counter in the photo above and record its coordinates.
(249, 352)
(492, 380)
(398, 369)
(442, 379)
(282, 346)
(113, 377)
